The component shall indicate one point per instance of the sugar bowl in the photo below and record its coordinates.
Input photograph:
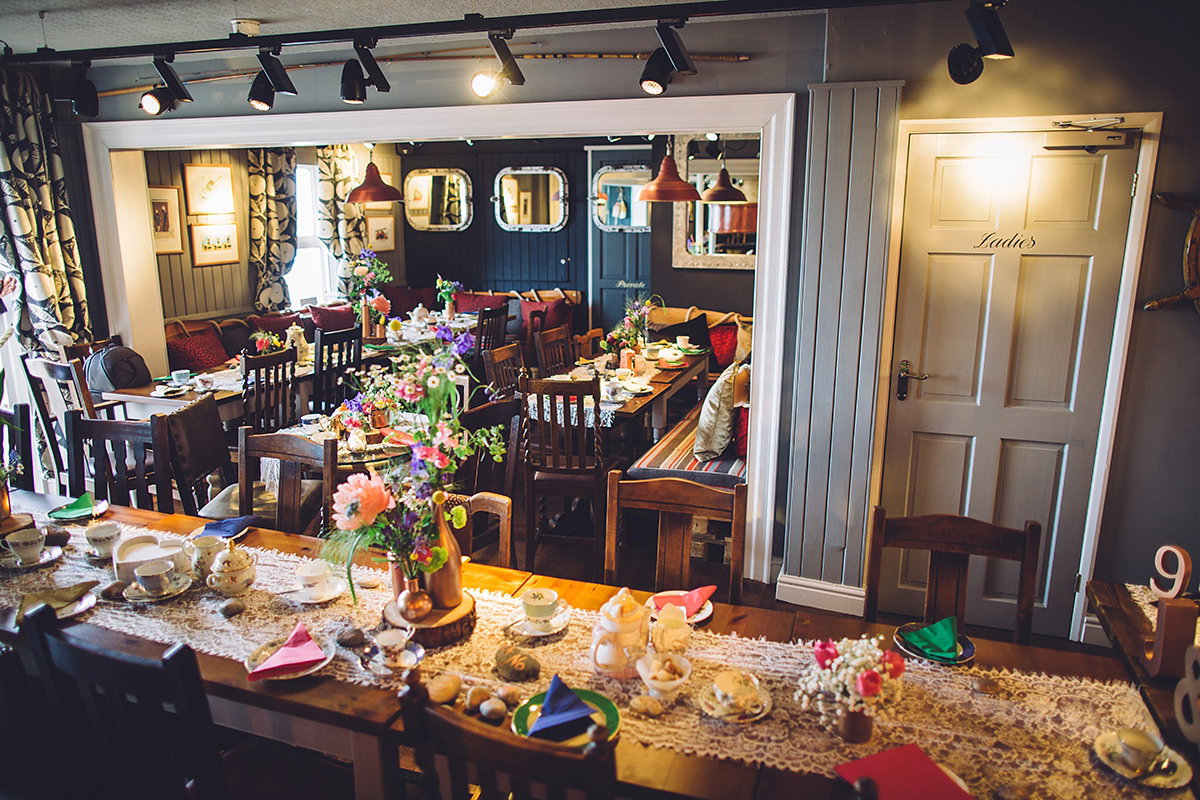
(233, 571)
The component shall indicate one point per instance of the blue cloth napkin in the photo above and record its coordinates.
(228, 528)
(563, 714)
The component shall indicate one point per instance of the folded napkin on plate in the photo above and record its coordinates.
(397, 437)
(904, 773)
(298, 653)
(74, 508)
(58, 599)
(227, 528)
(691, 601)
(939, 640)
(563, 714)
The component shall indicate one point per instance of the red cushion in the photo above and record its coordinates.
(558, 312)
(724, 343)
(469, 301)
(741, 430)
(405, 299)
(333, 318)
(197, 353)
(278, 324)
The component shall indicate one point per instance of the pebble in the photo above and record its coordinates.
(444, 688)
(511, 695)
(987, 686)
(351, 637)
(231, 608)
(493, 708)
(475, 697)
(514, 664)
(370, 582)
(647, 705)
(56, 536)
(114, 590)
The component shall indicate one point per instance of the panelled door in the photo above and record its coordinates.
(1010, 266)
(620, 260)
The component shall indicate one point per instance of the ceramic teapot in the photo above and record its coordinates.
(419, 314)
(232, 571)
(619, 638)
(295, 338)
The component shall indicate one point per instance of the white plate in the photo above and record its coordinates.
(336, 586)
(165, 390)
(638, 388)
(709, 705)
(1106, 748)
(48, 555)
(263, 652)
(78, 607)
(523, 627)
(134, 592)
(704, 612)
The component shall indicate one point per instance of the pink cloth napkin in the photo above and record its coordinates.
(904, 773)
(298, 653)
(691, 601)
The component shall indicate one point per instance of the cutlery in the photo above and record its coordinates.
(1164, 766)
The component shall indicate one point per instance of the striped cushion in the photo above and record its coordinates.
(672, 458)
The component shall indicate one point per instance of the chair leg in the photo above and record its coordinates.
(531, 522)
(599, 529)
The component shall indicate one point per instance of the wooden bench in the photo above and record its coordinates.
(672, 457)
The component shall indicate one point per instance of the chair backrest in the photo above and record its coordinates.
(337, 352)
(116, 453)
(269, 390)
(677, 502)
(145, 720)
(295, 454)
(587, 345)
(554, 351)
(554, 419)
(480, 471)
(82, 350)
(490, 329)
(16, 436)
(951, 540)
(452, 745)
(197, 450)
(491, 503)
(503, 366)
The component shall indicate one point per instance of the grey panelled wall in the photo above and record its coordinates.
(204, 291)
(851, 154)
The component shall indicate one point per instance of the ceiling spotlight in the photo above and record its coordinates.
(262, 93)
(485, 83)
(712, 137)
(681, 61)
(170, 79)
(354, 85)
(158, 100)
(85, 102)
(656, 75)
(964, 63)
(276, 73)
(374, 73)
(988, 30)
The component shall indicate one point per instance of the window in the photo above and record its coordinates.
(311, 280)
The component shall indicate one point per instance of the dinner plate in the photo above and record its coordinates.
(61, 513)
(78, 607)
(134, 592)
(1107, 749)
(669, 365)
(704, 612)
(558, 623)
(966, 648)
(165, 390)
(335, 587)
(48, 555)
(263, 652)
(709, 705)
(606, 713)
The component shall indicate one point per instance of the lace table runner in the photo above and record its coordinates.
(1145, 600)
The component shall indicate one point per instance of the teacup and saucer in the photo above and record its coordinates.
(544, 613)
(1141, 755)
(735, 696)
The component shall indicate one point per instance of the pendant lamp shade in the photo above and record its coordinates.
(668, 187)
(723, 191)
(373, 189)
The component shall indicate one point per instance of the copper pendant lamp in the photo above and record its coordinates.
(723, 190)
(373, 189)
(667, 186)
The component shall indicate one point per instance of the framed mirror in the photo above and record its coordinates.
(613, 206)
(437, 199)
(531, 199)
(717, 235)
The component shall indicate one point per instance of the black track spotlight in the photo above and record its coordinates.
(276, 74)
(354, 85)
(485, 82)
(989, 31)
(681, 61)
(965, 64)
(158, 100)
(85, 102)
(375, 75)
(656, 75)
(170, 79)
(262, 93)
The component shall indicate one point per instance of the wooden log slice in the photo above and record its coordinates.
(15, 522)
(443, 626)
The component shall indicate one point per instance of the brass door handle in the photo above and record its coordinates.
(903, 377)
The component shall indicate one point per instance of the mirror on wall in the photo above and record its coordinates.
(717, 235)
(437, 199)
(531, 199)
(613, 206)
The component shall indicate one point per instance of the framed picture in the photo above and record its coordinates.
(525, 208)
(209, 188)
(381, 233)
(215, 244)
(164, 211)
(382, 205)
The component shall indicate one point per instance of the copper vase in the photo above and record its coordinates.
(5, 502)
(450, 309)
(854, 726)
(413, 602)
(365, 317)
(445, 585)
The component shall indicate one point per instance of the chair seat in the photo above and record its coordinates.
(266, 504)
(543, 477)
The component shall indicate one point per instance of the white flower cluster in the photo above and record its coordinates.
(858, 675)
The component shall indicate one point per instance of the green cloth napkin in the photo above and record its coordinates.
(938, 641)
(58, 599)
(73, 510)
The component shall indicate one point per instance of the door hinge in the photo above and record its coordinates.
(1133, 189)
(1078, 580)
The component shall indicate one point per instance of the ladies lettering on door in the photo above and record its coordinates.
(992, 241)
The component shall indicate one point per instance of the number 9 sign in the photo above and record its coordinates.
(1182, 575)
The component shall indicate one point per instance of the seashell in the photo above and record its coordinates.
(231, 608)
(646, 705)
(351, 637)
(475, 697)
(511, 695)
(114, 590)
(493, 708)
(444, 688)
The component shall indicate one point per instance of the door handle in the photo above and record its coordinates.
(903, 377)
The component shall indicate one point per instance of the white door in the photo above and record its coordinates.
(1010, 264)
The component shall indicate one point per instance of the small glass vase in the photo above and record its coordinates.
(854, 726)
(413, 602)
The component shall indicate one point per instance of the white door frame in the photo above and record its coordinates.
(116, 169)
(1151, 125)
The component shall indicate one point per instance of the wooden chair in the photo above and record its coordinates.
(269, 390)
(336, 353)
(82, 350)
(148, 727)
(677, 502)
(197, 451)
(452, 746)
(587, 345)
(503, 366)
(119, 460)
(491, 503)
(951, 540)
(490, 329)
(554, 352)
(298, 501)
(16, 436)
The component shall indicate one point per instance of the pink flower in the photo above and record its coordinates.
(825, 652)
(359, 500)
(893, 663)
(869, 683)
(370, 276)
(381, 304)
(431, 455)
(360, 270)
(262, 345)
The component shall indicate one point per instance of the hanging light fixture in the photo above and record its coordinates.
(262, 93)
(373, 189)
(485, 82)
(723, 191)
(667, 186)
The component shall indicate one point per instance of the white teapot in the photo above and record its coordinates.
(620, 636)
(295, 338)
(232, 571)
(419, 314)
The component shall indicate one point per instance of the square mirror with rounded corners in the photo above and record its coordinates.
(614, 208)
(531, 199)
(720, 235)
(437, 199)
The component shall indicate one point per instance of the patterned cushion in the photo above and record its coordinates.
(724, 340)
(672, 457)
(405, 299)
(741, 430)
(197, 353)
(333, 318)
(469, 301)
(715, 427)
(277, 324)
(558, 312)
(695, 329)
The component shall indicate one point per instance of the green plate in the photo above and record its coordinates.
(606, 714)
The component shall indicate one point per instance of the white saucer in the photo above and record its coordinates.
(78, 607)
(558, 622)
(48, 555)
(166, 390)
(709, 705)
(134, 592)
(1106, 748)
(334, 587)
(372, 660)
(704, 612)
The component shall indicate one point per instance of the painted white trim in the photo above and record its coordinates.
(772, 114)
(1093, 632)
(826, 596)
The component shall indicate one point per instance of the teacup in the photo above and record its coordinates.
(26, 544)
(103, 536)
(1139, 748)
(737, 692)
(670, 632)
(652, 351)
(155, 576)
(310, 419)
(393, 646)
(683, 341)
(539, 606)
(314, 578)
(624, 373)
(203, 382)
(611, 390)
(180, 377)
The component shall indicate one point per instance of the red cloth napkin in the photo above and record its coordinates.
(691, 601)
(904, 773)
(298, 653)
(393, 436)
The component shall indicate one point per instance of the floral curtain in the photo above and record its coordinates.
(341, 226)
(37, 236)
(272, 223)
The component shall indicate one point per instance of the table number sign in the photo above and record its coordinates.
(1175, 625)
(1187, 696)
(1182, 575)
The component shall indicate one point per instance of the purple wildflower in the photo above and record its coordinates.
(355, 403)
(463, 343)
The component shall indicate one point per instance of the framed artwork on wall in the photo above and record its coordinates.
(209, 188)
(381, 205)
(525, 208)
(164, 211)
(381, 233)
(215, 244)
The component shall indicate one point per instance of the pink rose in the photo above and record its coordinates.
(893, 663)
(359, 500)
(360, 270)
(825, 653)
(869, 683)
(381, 304)
(262, 345)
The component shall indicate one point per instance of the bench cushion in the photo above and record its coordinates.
(672, 457)
(197, 353)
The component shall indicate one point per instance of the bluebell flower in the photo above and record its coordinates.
(355, 403)
(444, 334)
(366, 255)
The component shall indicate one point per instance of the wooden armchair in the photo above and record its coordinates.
(105, 449)
(269, 390)
(554, 352)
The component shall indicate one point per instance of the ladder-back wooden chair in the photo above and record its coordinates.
(117, 454)
(299, 502)
(269, 390)
(587, 345)
(503, 368)
(555, 354)
(336, 353)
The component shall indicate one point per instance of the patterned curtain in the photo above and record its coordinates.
(37, 237)
(341, 226)
(272, 223)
